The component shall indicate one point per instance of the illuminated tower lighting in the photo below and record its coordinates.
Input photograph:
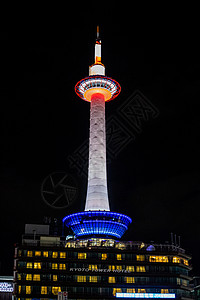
(97, 220)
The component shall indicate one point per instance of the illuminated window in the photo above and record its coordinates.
(185, 261)
(119, 257)
(176, 260)
(28, 276)
(36, 277)
(54, 266)
(19, 252)
(92, 267)
(43, 290)
(164, 291)
(130, 268)
(54, 254)
(55, 277)
(82, 255)
(19, 289)
(103, 256)
(81, 278)
(45, 254)
(37, 265)
(29, 253)
(19, 276)
(111, 267)
(116, 290)
(28, 289)
(140, 269)
(141, 291)
(111, 279)
(130, 290)
(178, 281)
(140, 257)
(29, 265)
(56, 289)
(129, 279)
(158, 259)
(62, 266)
(93, 279)
(37, 253)
(118, 267)
(62, 254)
(184, 282)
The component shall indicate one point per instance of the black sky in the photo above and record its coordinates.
(155, 177)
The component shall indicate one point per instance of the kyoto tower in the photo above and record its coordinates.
(97, 220)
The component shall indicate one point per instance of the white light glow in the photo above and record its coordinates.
(145, 295)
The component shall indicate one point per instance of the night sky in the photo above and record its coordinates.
(153, 166)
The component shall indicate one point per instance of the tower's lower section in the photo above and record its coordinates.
(98, 224)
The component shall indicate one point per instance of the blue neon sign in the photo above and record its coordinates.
(145, 295)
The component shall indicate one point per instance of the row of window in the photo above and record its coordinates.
(47, 290)
(102, 279)
(96, 267)
(102, 256)
(44, 290)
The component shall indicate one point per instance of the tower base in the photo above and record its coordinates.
(98, 224)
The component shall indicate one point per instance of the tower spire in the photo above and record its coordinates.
(97, 32)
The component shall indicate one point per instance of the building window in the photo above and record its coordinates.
(62, 266)
(111, 279)
(164, 291)
(178, 281)
(55, 277)
(43, 290)
(28, 276)
(141, 291)
(28, 289)
(130, 290)
(140, 257)
(118, 267)
(37, 265)
(37, 253)
(36, 277)
(185, 261)
(19, 289)
(104, 256)
(130, 268)
(54, 254)
(81, 278)
(184, 282)
(19, 276)
(116, 290)
(129, 279)
(111, 267)
(93, 279)
(62, 254)
(45, 254)
(158, 259)
(56, 289)
(29, 265)
(140, 269)
(176, 260)
(29, 253)
(92, 267)
(54, 266)
(82, 255)
(119, 257)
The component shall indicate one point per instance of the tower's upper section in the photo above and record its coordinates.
(97, 68)
(97, 82)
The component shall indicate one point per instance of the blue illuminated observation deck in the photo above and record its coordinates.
(98, 224)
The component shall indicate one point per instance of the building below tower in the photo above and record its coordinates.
(97, 268)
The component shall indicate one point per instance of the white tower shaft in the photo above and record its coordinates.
(97, 194)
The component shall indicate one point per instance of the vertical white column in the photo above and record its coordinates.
(97, 194)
